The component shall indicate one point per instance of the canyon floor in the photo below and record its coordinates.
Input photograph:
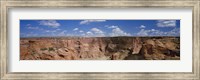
(100, 48)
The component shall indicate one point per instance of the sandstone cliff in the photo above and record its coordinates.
(100, 48)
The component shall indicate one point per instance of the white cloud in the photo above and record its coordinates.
(52, 31)
(175, 32)
(63, 33)
(58, 29)
(153, 32)
(166, 23)
(143, 32)
(75, 29)
(29, 26)
(119, 32)
(30, 34)
(90, 21)
(47, 31)
(142, 26)
(81, 31)
(83, 34)
(50, 23)
(35, 28)
(89, 33)
(116, 31)
(96, 30)
(112, 27)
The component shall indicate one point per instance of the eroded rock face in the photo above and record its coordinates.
(137, 45)
(100, 48)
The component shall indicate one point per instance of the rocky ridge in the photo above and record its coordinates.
(100, 48)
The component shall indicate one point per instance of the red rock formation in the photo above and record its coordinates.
(137, 45)
(106, 48)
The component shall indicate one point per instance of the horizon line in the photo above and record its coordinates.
(92, 36)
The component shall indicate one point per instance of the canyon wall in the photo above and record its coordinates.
(100, 48)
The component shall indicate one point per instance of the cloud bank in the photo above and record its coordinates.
(91, 21)
(50, 23)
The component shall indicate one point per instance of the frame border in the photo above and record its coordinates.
(5, 5)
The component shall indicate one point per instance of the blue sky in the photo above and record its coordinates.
(99, 28)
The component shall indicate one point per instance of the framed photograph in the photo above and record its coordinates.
(103, 39)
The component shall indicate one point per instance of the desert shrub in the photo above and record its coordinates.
(43, 49)
(33, 52)
(51, 49)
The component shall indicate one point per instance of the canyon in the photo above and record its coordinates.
(100, 48)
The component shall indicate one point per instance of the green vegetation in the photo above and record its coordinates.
(43, 49)
(33, 52)
(51, 49)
